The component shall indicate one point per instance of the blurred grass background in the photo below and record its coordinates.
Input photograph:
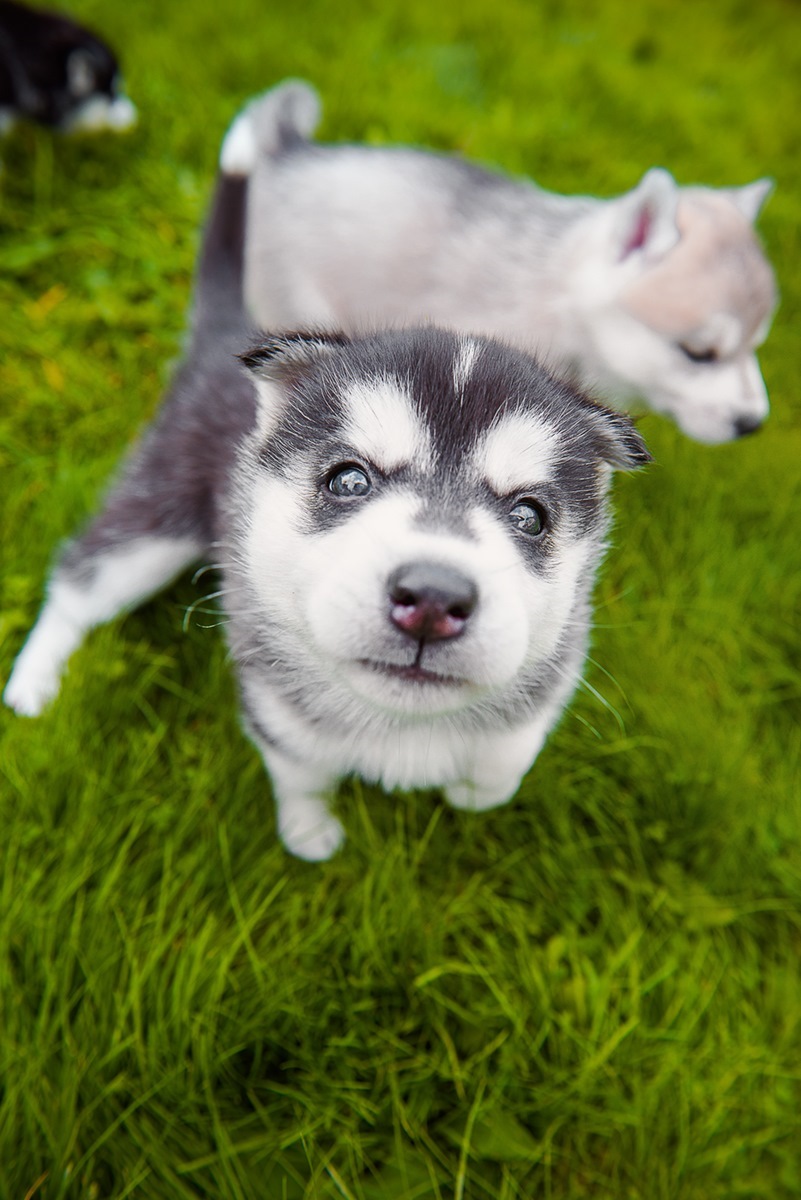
(594, 992)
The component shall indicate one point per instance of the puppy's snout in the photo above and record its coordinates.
(430, 601)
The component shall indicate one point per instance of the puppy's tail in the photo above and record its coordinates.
(274, 121)
(269, 123)
(218, 305)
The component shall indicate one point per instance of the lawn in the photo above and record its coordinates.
(593, 992)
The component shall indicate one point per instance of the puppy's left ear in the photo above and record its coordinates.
(279, 361)
(618, 440)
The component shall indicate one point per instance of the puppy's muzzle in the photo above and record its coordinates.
(430, 601)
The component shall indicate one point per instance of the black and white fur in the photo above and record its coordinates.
(408, 525)
(661, 295)
(57, 73)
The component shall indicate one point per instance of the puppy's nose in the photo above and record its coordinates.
(430, 601)
(746, 425)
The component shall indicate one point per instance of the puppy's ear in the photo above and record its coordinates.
(618, 441)
(278, 353)
(278, 361)
(645, 218)
(750, 198)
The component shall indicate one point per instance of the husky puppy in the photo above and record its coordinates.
(57, 73)
(408, 525)
(662, 294)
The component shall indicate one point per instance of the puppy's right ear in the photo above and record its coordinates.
(279, 352)
(278, 361)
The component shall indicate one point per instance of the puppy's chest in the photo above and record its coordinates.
(384, 749)
(427, 755)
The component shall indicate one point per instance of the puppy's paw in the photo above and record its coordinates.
(309, 830)
(36, 676)
(31, 686)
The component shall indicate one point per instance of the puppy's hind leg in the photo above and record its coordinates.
(157, 521)
(161, 516)
(90, 586)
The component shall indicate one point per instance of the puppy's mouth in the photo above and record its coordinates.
(412, 673)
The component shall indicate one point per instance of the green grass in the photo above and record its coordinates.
(594, 992)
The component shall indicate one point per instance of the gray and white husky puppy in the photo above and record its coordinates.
(662, 294)
(408, 525)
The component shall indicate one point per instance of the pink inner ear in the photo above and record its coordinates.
(639, 234)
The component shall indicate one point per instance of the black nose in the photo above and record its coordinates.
(746, 425)
(430, 601)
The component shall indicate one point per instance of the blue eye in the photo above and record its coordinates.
(528, 517)
(349, 482)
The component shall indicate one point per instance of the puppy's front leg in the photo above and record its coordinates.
(500, 760)
(306, 826)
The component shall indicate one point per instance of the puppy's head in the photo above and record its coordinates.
(420, 513)
(687, 298)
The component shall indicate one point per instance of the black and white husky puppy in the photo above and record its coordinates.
(57, 73)
(408, 522)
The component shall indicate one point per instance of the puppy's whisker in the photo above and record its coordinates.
(196, 607)
(204, 570)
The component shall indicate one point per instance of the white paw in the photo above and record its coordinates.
(309, 830)
(471, 798)
(30, 687)
(36, 676)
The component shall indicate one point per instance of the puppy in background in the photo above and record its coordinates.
(55, 72)
(408, 525)
(661, 295)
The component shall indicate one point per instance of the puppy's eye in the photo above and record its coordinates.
(699, 356)
(528, 517)
(349, 482)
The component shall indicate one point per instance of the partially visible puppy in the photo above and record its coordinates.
(661, 295)
(409, 525)
(57, 73)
